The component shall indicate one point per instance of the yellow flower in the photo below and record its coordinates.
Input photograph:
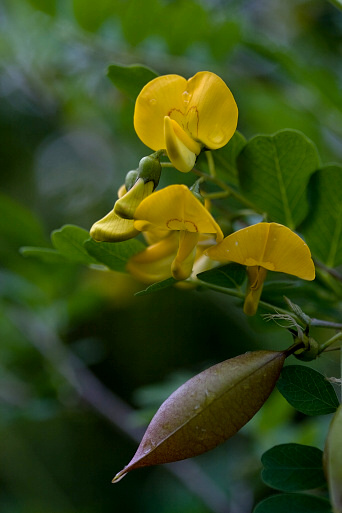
(265, 247)
(185, 116)
(118, 224)
(173, 209)
(154, 263)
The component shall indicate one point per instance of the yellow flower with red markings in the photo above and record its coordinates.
(184, 116)
(264, 247)
(174, 209)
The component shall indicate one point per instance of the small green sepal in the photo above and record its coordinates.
(195, 189)
(310, 351)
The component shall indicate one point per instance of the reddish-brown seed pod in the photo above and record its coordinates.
(208, 409)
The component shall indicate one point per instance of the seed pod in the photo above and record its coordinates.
(332, 461)
(208, 409)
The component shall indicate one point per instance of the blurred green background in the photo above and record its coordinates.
(84, 363)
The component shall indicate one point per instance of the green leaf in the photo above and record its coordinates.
(130, 79)
(178, 15)
(69, 241)
(294, 503)
(228, 276)
(18, 226)
(307, 390)
(155, 287)
(47, 6)
(323, 227)
(208, 409)
(274, 171)
(140, 21)
(91, 15)
(47, 255)
(293, 467)
(114, 255)
(225, 159)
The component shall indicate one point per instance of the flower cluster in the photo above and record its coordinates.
(181, 118)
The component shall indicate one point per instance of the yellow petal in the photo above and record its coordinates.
(212, 113)
(127, 204)
(203, 107)
(175, 208)
(181, 149)
(122, 191)
(156, 100)
(113, 228)
(154, 263)
(270, 245)
(154, 234)
(183, 263)
(190, 143)
(256, 278)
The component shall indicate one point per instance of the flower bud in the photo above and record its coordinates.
(131, 178)
(310, 351)
(150, 169)
(126, 206)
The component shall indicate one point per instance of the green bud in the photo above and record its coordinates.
(310, 351)
(131, 178)
(150, 169)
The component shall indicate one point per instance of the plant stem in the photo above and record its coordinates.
(215, 195)
(226, 187)
(331, 340)
(319, 323)
(332, 272)
(330, 280)
(211, 164)
(241, 295)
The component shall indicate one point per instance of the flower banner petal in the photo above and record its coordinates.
(155, 101)
(176, 208)
(217, 111)
(270, 245)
